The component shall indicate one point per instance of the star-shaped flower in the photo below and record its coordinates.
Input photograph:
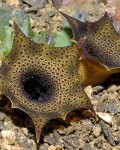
(41, 80)
(100, 51)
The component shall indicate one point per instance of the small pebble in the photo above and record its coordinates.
(75, 141)
(116, 148)
(107, 133)
(52, 14)
(81, 142)
(58, 147)
(70, 131)
(100, 106)
(97, 131)
(52, 147)
(70, 142)
(56, 135)
(2, 116)
(50, 139)
(9, 135)
(89, 91)
(25, 143)
(32, 22)
(16, 147)
(103, 97)
(88, 126)
(91, 137)
(112, 88)
(112, 106)
(92, 145)
(116, 127)
(7, 121)
(5, 146)
(117, 139)
(86, 147)
(77, 133)
(99, 140)
(44, 146)
(25, 131)
(68, 146)
(86, 139)
(97, 89)
(105, 116)
(2, 126)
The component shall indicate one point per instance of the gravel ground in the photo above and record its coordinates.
(80, 131)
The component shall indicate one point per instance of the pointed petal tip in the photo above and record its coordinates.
(84, 55)
(90, 107)
(38, 132)
(106, 15)
(60, 12)
(39, 123)
(15, 26)
(64, 117)
(65, 15)
(81, 41)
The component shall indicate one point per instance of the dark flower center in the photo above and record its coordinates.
(37, 86)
